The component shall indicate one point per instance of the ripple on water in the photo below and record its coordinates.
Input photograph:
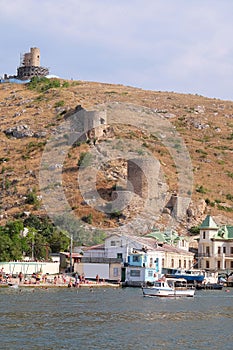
(65, 319)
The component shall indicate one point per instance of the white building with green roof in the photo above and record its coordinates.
(215, 246)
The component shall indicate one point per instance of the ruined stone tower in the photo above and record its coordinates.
(143, 176)
(30, 65)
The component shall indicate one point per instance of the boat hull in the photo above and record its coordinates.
(155, 292)
(211, 286)
(191, 276)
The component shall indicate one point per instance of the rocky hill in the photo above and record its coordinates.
(31, 114)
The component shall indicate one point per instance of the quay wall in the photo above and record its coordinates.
(29, 267)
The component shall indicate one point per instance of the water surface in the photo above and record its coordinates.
(114, 319)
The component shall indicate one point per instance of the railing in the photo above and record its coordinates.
(203, 255)
(229, 256)
(100, 260)
(218, 255)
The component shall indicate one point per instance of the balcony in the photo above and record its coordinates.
(203, 255)
(218, 255)
(229, 256)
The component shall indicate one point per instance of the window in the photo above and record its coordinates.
(150, 273)
(219, 250)
(136, 258)
(185, 264)
(135, 273)
(231, 250)
(207, 264)
(179, 263)
(203, 235)
(224, 250)
(115, 243)
(172, 262)
(219, 264)
(163, 262)
(119, 255)
(207, 251)
(231, 264)
(115, 272)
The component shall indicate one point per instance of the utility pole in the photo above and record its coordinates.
(33, 245)
(71, 247)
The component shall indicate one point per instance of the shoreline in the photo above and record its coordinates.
(47, 285)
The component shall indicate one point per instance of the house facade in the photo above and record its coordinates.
(132, 259)
(175, 248)
(215, 246)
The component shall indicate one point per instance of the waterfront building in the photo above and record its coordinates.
(215, 246)
(132, 259)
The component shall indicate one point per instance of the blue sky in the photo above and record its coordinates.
(163, 45)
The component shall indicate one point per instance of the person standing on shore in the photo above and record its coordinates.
(77, 280)
(20, 276)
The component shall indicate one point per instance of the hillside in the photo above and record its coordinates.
(205, 125)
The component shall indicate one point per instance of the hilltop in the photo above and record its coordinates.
(29, 116)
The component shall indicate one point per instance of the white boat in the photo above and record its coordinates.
(169, 287)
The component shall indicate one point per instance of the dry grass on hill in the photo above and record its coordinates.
(206, 126)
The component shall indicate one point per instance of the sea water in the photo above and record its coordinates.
(114, 319)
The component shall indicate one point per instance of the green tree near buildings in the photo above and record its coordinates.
(35, 237)
(12, 244)
(38, 239)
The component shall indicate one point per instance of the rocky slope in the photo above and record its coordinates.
(28, 118)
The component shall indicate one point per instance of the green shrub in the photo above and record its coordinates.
(194, 230)
(230, 174)
(65, 84)
(59, 104)
(42, 84)
(88, 218)
(201, 189)
(229, 197)
(85, 159)
(32, 198)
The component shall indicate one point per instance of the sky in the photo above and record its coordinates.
(182, 46)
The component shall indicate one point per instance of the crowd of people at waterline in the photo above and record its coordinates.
(39, 279)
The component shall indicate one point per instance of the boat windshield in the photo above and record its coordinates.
(158, 284)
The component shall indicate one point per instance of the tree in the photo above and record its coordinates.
(59, 241)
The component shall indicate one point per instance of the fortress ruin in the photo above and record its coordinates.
(30, 65)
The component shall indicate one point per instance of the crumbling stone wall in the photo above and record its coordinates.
(143, 177)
